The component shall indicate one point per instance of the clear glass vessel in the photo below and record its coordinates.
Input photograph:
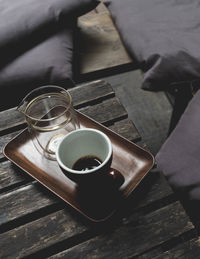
(50, 116)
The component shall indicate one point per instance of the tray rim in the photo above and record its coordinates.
(58, 195)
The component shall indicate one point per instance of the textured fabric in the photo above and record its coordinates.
(179, 157)
(162, 37)
(24, 22)
(36, 43)
(49, 62)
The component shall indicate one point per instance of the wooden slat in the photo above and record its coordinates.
(10, 118)
(23, 201)
(91, 92)
(31, 198)
(39, 234)
(5, 139)
(135, 235)
(83, 94)
(11, 175)
(189, 249)
(106, 112)
(127, 129)
(185, 249)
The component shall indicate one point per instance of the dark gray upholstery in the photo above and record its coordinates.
(37, 43)
(47, 62)
(179, 156)
(162, 37)
(23, 22)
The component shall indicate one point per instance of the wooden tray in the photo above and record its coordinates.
(97, 204)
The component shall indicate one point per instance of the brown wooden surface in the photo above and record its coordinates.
(101, 46)
(136, 227)
(101, 49)
(35, 223)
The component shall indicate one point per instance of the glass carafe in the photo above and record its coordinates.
(50, 116)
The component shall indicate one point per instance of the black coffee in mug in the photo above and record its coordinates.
(86, 163)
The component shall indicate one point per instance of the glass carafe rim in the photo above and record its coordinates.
(66, 95)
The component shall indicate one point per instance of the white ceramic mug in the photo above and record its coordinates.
(85, 155)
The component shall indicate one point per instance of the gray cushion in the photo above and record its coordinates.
(49, 62)
(179, 156)
(36, 44)
(24, 23)
(162, 37)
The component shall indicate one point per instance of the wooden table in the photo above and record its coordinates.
(34, 223)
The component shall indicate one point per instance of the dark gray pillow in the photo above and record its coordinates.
(36, 43)
(49, 62)
(179, 157)
(25, 23)
(162, 37)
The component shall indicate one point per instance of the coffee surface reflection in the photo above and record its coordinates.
(86, 163)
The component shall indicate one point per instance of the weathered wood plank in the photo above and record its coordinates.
(31, 198)
(91, 93)
(23, 201)
(82, 95)
(127, 129)
(11, 175)
(107, 112)
(186, 250)
(5, 139)
(101, 47)
(134, 236)
(10, 118)
(39, 234)
(189, 249)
